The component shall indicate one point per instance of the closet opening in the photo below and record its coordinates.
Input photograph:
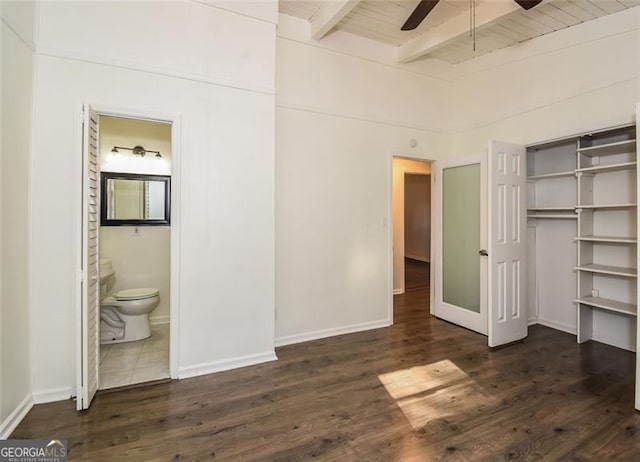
(582, 227)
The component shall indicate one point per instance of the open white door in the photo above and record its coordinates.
(90, 284)
(507, 243)
(460, 208)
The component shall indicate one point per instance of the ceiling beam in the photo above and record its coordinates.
(487, 14)
(330, 14)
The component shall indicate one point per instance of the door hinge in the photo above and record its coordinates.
(80, 276)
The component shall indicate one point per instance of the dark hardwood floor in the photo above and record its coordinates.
(416, 274)
(422, 390)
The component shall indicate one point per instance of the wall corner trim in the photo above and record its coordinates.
(52, 394)
(29, 42)
(13, 420)
(226, 364)
(331, 332)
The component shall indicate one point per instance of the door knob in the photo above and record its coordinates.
(484, 253)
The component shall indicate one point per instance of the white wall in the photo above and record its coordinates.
(140, 255)
(17, 64)
(220, 84)
(343, 109)
(400, 168)
(578, 79)
(417, 217)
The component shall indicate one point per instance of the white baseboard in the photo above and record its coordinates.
(417, 257)
(532, 322)
(398, 291)
(226, 364)
(53, 394)
(11, 422)
(558, 326)
(156, 320)
(332, 332)
(615, 342)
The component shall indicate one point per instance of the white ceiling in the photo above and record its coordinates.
(381, 20)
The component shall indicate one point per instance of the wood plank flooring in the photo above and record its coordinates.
(416, 274)
(422, 390)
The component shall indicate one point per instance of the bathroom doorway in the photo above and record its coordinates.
(134, 248)
(128, 256)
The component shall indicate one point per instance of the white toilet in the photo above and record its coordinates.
(124, 315)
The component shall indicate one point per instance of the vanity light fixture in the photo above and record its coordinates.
(136, 150)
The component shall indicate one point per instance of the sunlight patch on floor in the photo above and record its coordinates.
(434, 391)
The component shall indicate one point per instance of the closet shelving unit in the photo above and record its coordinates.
(582, 235)
(606, 172)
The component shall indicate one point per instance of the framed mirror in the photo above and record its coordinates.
(129, 199)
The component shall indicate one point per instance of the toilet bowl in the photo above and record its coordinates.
(124, 315)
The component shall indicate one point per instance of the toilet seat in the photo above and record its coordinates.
(135, 294)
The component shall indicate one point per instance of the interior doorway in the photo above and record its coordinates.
(411, 203)
(127, 254)
(134, 249)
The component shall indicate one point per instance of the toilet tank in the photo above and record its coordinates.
(106, 276)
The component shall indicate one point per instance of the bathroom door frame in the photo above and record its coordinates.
(174, 311)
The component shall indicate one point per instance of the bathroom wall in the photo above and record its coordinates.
(141, 258)
(140, 255)
(119, 131)
(16, 75)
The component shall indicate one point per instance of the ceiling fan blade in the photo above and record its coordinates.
(528, 4)
(418, 15)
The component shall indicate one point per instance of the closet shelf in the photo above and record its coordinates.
(613, 239)
(551, 209)
(608, 168)
(606, 206)
(620, 147)
(609, 305)
(611, 270)
(554, 216)
(552, 175)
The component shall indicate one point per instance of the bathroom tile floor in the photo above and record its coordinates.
(135, 362)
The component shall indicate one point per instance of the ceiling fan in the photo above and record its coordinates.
(425, 6)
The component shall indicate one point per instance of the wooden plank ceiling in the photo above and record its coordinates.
(381, 20)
